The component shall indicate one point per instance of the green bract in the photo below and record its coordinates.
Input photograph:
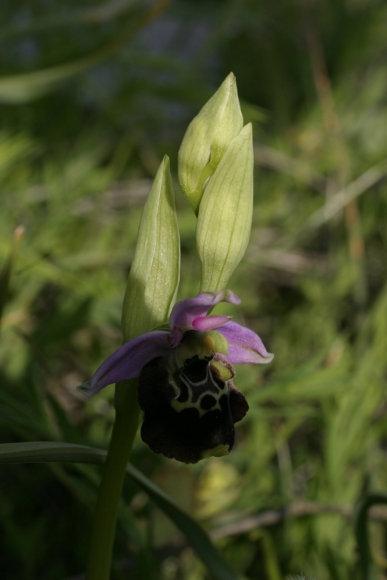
(224, 222)
(207, 139)
(154, 275)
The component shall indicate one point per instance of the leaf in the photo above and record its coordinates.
(5, 277)
(92, 16)
(366, 565)
(25, 87)
(49, 451)
(42, 452)
(6, 271)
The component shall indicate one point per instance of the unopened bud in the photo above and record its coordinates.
(224, 222)
(206, 140)
(154, 275)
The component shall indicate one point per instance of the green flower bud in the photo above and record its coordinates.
(154, 275)
(207, 139)
(224, 222)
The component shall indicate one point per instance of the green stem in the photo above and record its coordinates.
(109, 495)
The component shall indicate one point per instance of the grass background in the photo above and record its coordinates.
(92, 95)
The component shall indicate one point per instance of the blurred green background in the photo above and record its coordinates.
(92, 95)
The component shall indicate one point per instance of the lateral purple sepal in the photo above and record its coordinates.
(244, 346)
(185, 312)
(128, 361)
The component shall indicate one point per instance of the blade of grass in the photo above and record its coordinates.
(41, 452)
(361, 533)
(6, 271)
(24, 87)
(96, 15)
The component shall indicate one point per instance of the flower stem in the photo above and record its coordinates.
(105, 515)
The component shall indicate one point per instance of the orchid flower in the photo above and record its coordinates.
(185, 377)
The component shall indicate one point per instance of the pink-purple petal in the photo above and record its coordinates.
(204, 323)
(127, 362)
(185, 312)
(244, 346)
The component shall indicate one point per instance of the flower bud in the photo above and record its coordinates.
(155, 271)
(207, 139)
(224, 222)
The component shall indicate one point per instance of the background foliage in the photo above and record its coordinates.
(93, 94)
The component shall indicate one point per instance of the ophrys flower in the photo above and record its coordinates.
(185, 374)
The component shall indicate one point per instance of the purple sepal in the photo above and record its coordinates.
(184, 313)
(244, 346)
(128, 361)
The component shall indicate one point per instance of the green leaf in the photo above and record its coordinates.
(5, 277)
(42, 452)
(24, 87)
(367, 569)
(49, 451)
(6, 271)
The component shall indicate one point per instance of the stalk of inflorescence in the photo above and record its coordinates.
(216, 176)
(110, 490)
(150, 294)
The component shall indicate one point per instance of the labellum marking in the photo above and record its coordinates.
(190, 410)
(202, 394)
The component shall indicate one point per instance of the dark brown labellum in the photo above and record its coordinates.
(190, 411)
